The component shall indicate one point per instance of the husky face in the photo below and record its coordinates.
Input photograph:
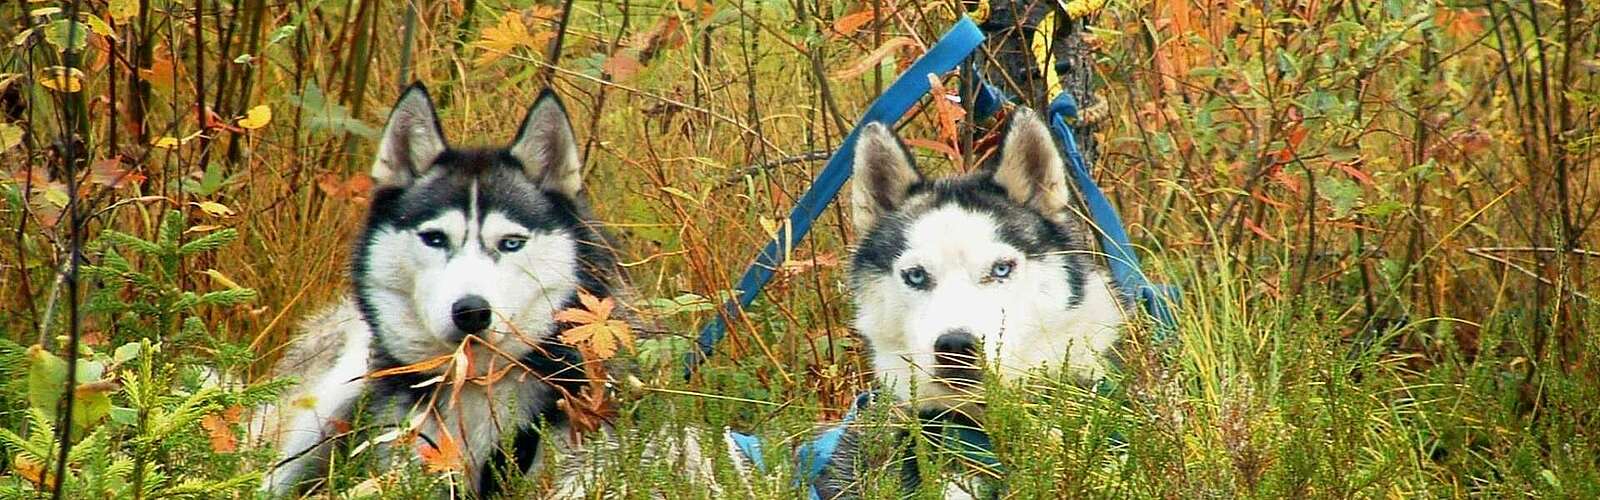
(481, 242)
(983, 269)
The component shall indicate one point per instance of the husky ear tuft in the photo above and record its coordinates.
(547, 147)
(1031, 169)
(884, 174)
(411, 140)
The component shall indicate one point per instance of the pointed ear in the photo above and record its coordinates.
(1031, 169)
(411, 140)
(547, 147)
(884, 174)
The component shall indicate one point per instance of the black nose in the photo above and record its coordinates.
(956, 348)
(471, 314)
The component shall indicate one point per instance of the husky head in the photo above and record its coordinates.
(989, 268)
(487, 242)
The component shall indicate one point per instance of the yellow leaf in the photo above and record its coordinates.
(123, 9)
(508, 34)
(10, 136)
(167, 142)
(595, 333)
(61, 79)
(222, 278)
(215, 209)
(257, 117)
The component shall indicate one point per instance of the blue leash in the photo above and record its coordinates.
(906, 90)
(1125, 270)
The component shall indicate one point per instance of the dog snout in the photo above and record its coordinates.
(956, 348)
(471, 314)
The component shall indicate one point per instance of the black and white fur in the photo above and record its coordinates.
(487, 242)
(991, 269)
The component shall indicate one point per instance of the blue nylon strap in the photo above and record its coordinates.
(1124, 263)
(943, 57)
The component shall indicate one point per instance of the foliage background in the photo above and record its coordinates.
(1380, 213)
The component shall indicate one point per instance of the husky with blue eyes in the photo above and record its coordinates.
(462, 246)
(990, 270)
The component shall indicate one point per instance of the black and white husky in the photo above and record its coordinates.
(989, 269)
(474, 246)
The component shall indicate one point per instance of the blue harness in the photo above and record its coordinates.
(951, 50)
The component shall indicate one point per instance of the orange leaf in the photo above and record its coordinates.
(109, 173)
(32, 471)
(933, 145)
(848, 24)
(872, 59)
(1258, 230)
(219, 428)
(621, 66)
(442, 455)
(418, 367)
(1355, 173)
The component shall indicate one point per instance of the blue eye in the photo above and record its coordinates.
(434, 239)
(915, 277)
(1002, 269)
(511, 243)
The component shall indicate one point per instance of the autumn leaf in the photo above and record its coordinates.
(949, 112)
(257, 117)
(32, 471)
(621, 66)
(110, 173)
(215, 209)
(1461, 24)
(1258, 230)
(10, 136)
(872, 59)
(423, 366)
(61, 79)
(219, 428)
(442, 455)
(595, 333)
(508, 34)
(848, 24)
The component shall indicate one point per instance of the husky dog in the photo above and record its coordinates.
(468, 251)
(988, 269)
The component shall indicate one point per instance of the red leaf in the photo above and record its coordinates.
(1355, 173)
(1254, 228)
